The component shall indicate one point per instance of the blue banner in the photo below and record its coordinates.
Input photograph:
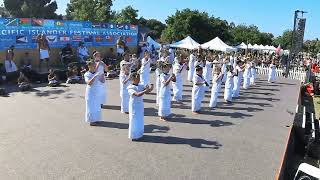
(22, 33)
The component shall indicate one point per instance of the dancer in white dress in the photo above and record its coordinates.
(228, 84)
(93, 106)
(272, 72)
(198, 90)
(136, 107)
(124, 83)
(177, 86)
(165, 92)
(145, 69)
(238, 74)
(101, 68)
(253, 73)
(224, 70)
(191, 67)
(207, 71)
(216, 87)
(247, 75)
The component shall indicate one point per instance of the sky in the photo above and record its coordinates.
(272, 16)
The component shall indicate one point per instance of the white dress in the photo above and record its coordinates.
(178, 85)
(164, 96)
(124, 93)
(192, 59)
(136, 112)
(272, 73)
(235, 60)
(231, 60)
(93, 106)
(237, 82)
(102, 85)
(224, 71)
(145, 71)
(197, 93)
(253, 74)
(247, 76)
(216, 87)
(158, 83)
(207, 71)
(228, 87)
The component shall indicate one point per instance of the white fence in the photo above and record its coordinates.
(297, 74)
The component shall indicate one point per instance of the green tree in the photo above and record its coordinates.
(127, 15)
(312, 46)
(250, 34)
(284, 40)
(90, 10)
(156, 27)
(4, 12)
(196, 24)
(32, 8)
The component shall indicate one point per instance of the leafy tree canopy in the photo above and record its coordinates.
(32, 8)
(90, 10)
(198, 25)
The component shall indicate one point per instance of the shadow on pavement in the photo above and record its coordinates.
(214, 123)
(150, 128)
(248, 109)
(196, 143)
(111, 107)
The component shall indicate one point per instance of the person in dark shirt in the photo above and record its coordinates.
(53, 79)
(73, 75)
(66, 54)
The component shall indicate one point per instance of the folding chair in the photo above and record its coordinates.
(309, 170)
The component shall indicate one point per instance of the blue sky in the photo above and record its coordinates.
(273, 16)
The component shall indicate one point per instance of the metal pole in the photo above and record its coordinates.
(292, 39)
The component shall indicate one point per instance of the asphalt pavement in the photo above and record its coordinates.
(43, 135)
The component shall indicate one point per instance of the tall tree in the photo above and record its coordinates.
(90, 10)
(4, 12)
(284, 40)
(250, 34)
(196, 24)
(32, 8)
(156, 27)
(312, 46)
(127, 15)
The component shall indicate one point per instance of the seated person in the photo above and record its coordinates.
(66, 54)
(83, 53)
(72, 75)
(26, 68)
(25, 61)
(23, 83)
(12, 73)
(83, 71)
(53, 79)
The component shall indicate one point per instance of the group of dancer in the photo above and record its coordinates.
(205, 70)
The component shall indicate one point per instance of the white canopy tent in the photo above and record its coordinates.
(250, 46)
(153, 42)
(255, 47)
(261, 47)
(186, 43)
(242, 46)
(218, 45)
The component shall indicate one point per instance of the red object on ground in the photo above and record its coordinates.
(309, 89)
